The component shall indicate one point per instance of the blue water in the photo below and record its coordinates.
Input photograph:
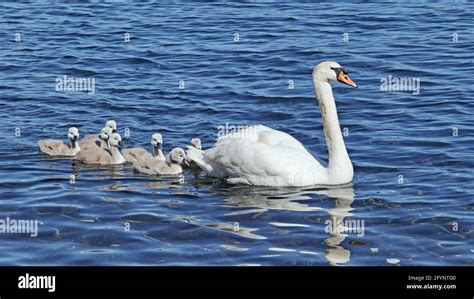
(413, 185)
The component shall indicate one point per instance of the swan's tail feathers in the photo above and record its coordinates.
(197, 156)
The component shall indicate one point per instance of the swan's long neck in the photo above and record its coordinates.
(158, 153)
(116, 155)
(104, 144)
(75, 146)
(339, 165)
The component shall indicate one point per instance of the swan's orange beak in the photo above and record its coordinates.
(343, 78)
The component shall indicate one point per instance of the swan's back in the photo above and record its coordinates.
(260, 133)
(133, 155)
(98, 156)
(259, 155)
(152, 166)
(54, 147)
(90, 140)
(262, 161)
(145, 167)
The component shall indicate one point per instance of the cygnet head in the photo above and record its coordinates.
(178, 155)
(105, 133)
(196, 142)
(115, 140)
(111, 124)
(73, 134)
(156, 140)
(332, 71)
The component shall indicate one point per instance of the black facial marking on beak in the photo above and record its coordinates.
(342, 76)
(340, 69)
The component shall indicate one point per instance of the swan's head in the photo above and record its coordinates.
(332, 71)
(179, 156)
(111, 124)
(105, 133)
(73, 134)
(115, 140)
(196, 142)
(156, 140)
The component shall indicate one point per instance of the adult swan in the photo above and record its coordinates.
(258, 155)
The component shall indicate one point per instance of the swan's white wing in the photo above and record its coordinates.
(258, 155)
(241, 160)
(263, 134)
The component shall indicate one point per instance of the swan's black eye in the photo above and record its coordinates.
(340, 69)
(337, 70)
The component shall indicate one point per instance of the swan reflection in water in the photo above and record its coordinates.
(262, 199)
(254, 200)
(336, 253)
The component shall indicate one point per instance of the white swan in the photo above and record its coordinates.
(94, 139)
(259, 155)
(102, 156)
(133, 155)
(172, 166)
(55, 147)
